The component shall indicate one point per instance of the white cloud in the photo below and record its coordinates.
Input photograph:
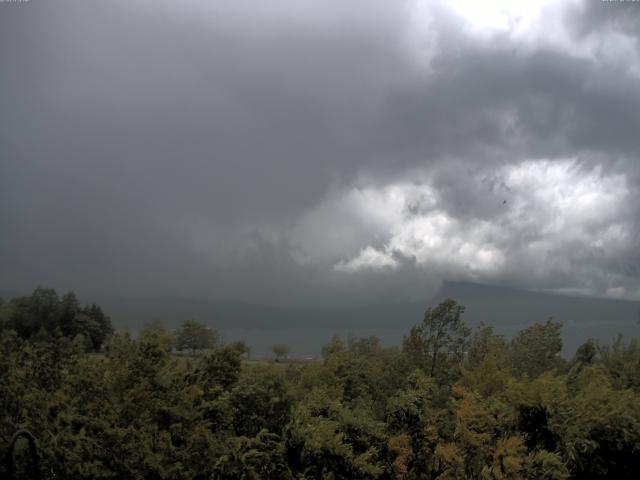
(369, 257)
(513, 16)
(556, 225)
(446, 243)
(349, 218)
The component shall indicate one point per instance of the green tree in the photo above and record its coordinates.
(68, 308)
(622, 360)
(101, 326)
(543, 465)
(365, 346)
(261, 400)
(262, 457)
(415, 419)
(440, 341)
(536, 349)
(241, 347)
(194, 336)
(602, 437)
(586, 353)
(45, 315)
(329, 440)
(484, 342)
(336, 345)
(5, 314)
(281, 351)
(157, 329)
(29, 314)
(219, 368)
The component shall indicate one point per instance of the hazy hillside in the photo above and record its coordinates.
(507, 306)
(509, 310)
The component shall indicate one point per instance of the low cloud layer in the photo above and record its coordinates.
(319, 152)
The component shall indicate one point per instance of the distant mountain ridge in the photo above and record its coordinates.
(504, 305)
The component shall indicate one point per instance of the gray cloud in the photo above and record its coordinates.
(235, 150)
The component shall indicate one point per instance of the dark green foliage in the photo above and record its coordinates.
(439, 343)
(219, 368)
(194, 336)
(505, 410)
(281, 351)
(241, 347)
(537, 349)
(586, 353)
(328, 440)
(335, 346)
(261, 401)
(262, 457)
(43, 315)
(622, 360)
(157, 330)
(482, 343)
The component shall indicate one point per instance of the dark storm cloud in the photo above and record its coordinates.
(127, 127)
(212, 149)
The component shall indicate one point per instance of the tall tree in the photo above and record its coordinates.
(484, 342)
(441, 338)
(193, 335)
(537, 348)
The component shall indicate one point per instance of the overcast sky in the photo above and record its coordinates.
(319, 152)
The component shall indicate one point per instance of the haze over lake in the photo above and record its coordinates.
(305, 329)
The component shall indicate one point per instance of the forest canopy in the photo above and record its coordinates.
(450, 403)
(44, 315)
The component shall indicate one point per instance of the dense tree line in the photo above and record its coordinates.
(43, 316)
(452, 403)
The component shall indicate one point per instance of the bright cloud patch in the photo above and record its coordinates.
(498, 15)
(550, 225)
(348, 219)
(369, 257)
